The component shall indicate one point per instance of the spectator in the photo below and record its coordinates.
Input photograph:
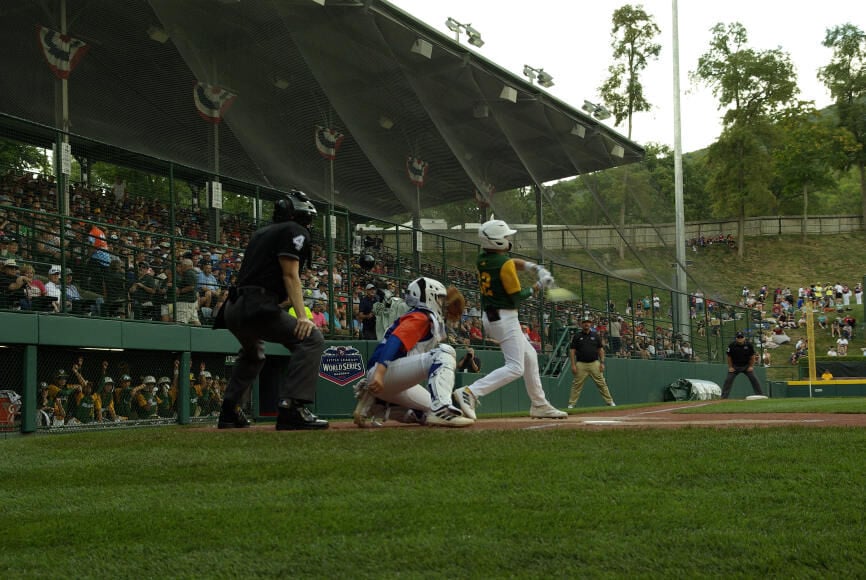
(469, 363)
(142, 292)
(12, 285)
(207, 287)
(842, 346)
(365, 313)
(319, 316)
(187, 301)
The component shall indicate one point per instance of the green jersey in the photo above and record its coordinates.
(498, 282)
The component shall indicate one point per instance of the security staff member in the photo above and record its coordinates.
(587, 359)
(269, 278)
(741, 359)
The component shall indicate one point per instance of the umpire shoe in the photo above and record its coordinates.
(232, 418)
(298, 418)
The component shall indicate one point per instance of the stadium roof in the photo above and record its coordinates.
(292, 66)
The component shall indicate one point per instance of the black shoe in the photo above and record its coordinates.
(232, 419)
(298, 418)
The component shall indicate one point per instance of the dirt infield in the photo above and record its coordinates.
(662, 416)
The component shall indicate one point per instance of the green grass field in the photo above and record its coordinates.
(192, 502)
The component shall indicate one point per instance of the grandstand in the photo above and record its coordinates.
(172, 125)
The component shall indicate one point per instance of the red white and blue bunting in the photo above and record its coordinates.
(328, 142)
(61, 52)
(212, 101)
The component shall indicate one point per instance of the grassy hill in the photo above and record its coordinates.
(774, 261)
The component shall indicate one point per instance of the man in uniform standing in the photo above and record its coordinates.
(741, 359)
(269, 279)
(587, 360)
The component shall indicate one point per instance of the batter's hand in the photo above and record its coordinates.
(304, 328)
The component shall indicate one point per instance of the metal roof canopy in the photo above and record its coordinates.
(295, 65)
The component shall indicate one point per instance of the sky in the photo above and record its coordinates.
(570, 39)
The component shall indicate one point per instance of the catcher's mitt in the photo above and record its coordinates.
(455, 304)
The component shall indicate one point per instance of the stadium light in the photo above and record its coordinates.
(473, 36)
(600, 112)
(537, 74)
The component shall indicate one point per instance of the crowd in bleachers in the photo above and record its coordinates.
(121, 259)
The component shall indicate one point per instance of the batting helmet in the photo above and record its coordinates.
(494, 235)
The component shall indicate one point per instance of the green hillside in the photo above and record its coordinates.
(774, 261)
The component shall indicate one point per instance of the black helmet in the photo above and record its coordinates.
(294, 206)
(366, 261)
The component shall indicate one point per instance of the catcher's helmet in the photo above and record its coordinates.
(294, 206)
(427, 292)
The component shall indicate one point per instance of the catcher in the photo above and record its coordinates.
(413, 351)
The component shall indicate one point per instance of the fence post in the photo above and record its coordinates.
(28, 402)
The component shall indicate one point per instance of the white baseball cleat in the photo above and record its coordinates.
(546, 411)
(448, 417)
(466, 401)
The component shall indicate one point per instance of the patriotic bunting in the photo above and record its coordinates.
(328, 142)
(417, 170)
(61, 52)
(212, 101)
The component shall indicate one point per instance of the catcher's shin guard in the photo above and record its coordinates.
(440, 377)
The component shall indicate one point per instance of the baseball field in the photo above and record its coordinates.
(739, 498)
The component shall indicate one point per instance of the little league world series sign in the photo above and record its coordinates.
(341, 365)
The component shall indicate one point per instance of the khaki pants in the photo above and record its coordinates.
(593, 370)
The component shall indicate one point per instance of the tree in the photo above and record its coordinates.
(633, 41)
(845, 77)
(809, 150)
(753, 86)
(20, 157)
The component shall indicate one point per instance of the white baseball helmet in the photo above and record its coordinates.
(427, 292)
(494, 234)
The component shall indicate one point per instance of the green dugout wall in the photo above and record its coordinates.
(36, 345)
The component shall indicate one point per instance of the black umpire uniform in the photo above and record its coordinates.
(270, 276)
(741, 359)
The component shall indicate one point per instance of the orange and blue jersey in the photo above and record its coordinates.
(417, 331)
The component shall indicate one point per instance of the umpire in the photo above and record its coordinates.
(741, 359)
(268, 279)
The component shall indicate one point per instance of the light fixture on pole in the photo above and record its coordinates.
(537, 74)
(474, 37)
(600, 112)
